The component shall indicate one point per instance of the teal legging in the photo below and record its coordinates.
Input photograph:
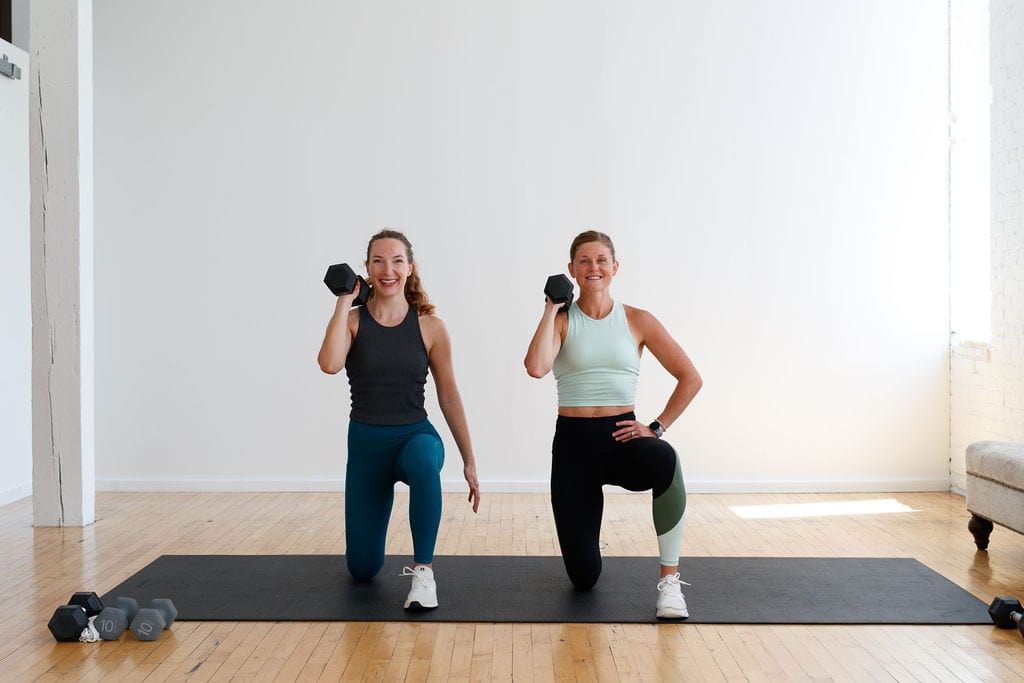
(379, 456)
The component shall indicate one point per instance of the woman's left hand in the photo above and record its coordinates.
(469, 472)
(629, 430)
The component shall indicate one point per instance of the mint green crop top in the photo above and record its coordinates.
(598, 364)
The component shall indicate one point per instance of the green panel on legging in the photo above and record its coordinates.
(670, 505)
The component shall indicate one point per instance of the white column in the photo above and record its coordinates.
(61, 159)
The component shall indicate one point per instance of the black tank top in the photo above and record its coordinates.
(387, 370)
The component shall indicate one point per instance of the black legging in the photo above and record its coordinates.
(584, 456)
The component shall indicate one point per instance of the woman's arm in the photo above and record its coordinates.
(546, 341)
(655, 337)
(341, 330)
(439, 351)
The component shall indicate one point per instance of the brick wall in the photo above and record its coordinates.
(987, 385)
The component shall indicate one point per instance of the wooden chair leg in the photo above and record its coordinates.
(980, 528)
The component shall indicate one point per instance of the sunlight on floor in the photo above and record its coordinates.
(841, 507)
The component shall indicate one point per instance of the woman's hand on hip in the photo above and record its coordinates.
(629, 430)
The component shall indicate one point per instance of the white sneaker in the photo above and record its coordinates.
(671, 604)
(423, 594)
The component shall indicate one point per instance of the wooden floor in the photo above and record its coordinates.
(40, 568)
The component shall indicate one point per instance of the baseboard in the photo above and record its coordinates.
(832, 486)
(458, 486)
(16, 493)
(293, 485)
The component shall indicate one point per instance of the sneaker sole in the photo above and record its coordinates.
(673, 615)
(416, 606)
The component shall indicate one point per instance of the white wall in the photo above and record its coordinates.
(15, 286)
(987, 384)
(774, 175)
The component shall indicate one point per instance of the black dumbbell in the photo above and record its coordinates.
(89, 600)
(341, 279)
(559, 290)
(68, 622)
(1007, 612)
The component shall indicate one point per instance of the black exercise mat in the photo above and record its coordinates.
(724, 590)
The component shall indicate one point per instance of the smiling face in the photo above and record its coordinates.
(593, 265)
(388, 266)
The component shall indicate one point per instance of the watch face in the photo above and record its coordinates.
(657, 428)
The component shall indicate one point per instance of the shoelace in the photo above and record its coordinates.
(419, 577)
(669, 580)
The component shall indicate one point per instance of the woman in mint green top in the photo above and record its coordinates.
(594, 349)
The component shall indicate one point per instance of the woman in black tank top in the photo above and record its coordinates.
(387, 347)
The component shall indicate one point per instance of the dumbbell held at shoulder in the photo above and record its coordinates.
(341, 280)
(559, 290)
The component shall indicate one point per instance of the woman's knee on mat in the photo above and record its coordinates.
(363, 567)
(583, 569)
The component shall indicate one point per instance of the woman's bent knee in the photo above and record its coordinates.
(422, 456)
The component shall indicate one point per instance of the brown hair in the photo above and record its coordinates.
(591, 236)
(414, 293)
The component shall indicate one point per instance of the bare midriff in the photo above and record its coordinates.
(593, 411)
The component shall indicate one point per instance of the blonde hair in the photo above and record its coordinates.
(414, 292)
(591, 236)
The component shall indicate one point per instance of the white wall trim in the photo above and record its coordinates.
(453, 486)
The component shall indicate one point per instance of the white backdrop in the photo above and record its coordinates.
(15, 285)
(774, 175)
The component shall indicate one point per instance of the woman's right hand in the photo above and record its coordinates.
(469, 472)
(349, 297)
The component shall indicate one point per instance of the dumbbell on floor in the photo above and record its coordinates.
(1007, 612)
(68, 621)
(150, 621)
(559, 290)
(341, 279)
(113, 620)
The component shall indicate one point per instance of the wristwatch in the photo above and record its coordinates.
(656, 428)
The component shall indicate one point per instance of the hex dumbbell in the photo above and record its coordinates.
(114, 619)
(68, 621)
(1007, 612)
(150, 621)
(341, 279)
(559, 290)
(111, 623)
(88, 600)
(166, 607)
(129, 605)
